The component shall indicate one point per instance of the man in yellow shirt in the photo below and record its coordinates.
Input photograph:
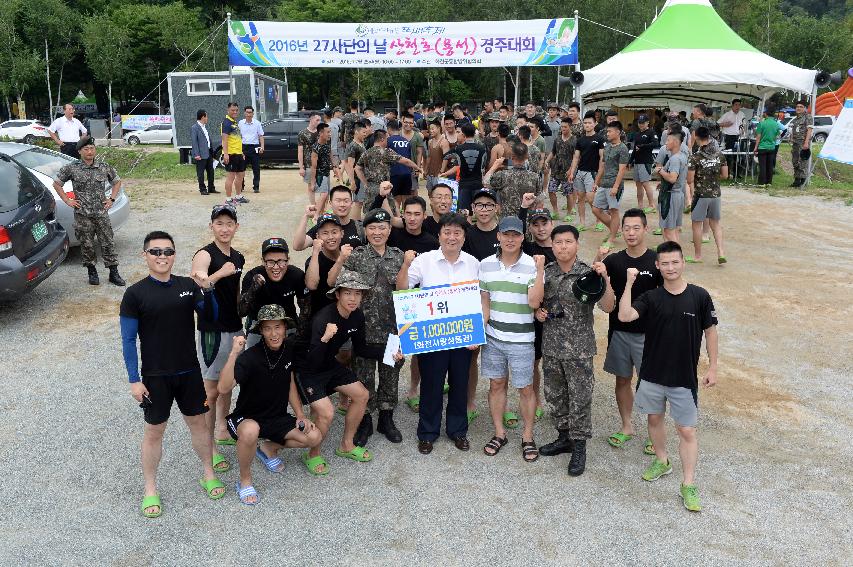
(232, 155)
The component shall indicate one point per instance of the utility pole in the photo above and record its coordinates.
(47, 73)
(228, 48)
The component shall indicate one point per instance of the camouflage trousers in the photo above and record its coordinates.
(386, 394)
(87, 229)
(371, 190)
(568, 390)
(799, 163)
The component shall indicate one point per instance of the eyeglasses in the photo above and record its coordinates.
(275, 263)
(161, 252)
(484, 206)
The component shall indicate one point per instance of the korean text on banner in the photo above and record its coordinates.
(430, 44)
(440, 317)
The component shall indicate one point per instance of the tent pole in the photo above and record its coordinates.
(811, 157)
(557, 96)
(576, 93)
(230, 69)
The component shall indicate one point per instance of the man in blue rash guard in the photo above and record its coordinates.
(159, 309)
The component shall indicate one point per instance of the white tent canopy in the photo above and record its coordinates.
(689, 55)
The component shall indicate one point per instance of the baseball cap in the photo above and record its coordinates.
(274, 243)
(485, 192)
(552, 105)
(541, 213)
(589, 288)
(348, 279)
(376, 215)
(611, 113)
(511, 224)
(223, 210)
(272, 312)
(328, 217)
(337, 109)
(642, 118)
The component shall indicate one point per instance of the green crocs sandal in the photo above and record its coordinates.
(649, 448)
(555, 216)
(220, 463)
(650, 210)
(656, 470)
(511, 416)
(619, 439)
(414, 403)
(210, 485)
(706, 240)
(721, 260)
(599, 227)
(227, 441)
(446, 388)
(313, 462)
(581, 228)
(657, 231)
(150, 502)
(472, 415)
(692, 260)
(539, 413)
(569, 218)
(690, 497)
(357, 454)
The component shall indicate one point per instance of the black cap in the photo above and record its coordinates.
(223, 210)
(328, 217)
(85, 141)
(485, 192)
(611, 113)
(274, 244)
(589, 288)
(642, 118)
(376, 215)
(541, 213)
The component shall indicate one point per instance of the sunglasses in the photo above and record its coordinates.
(161, 252)
(219, 208)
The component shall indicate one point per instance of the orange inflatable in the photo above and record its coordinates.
(831, 103)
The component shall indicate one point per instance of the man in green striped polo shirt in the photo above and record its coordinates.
(511, 287)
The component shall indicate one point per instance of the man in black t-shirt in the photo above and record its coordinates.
(676, 314)
(273, 282)
(264, 374)
(340, 198)
(625, 340)
(440, 203)
(326, 249)
(159, 309)
(470, 159)
(222, 265)
(588, 151)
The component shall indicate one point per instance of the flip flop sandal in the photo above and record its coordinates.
(227, 441)
(706, 240)
(313, 462)
(692, 260)
(539, 413)
(150, 501)
(599, 227)
(472, 415)
(220, 463)
(414, 403)
(210, 485)
(529, 451)
(495, 444)
(619, 439)
(356, 454)
(649, 448)
(446, 388)
(273, 464)
(244, 493)
(721, 260)
(511, 416)
(581, 228)
(657, 231)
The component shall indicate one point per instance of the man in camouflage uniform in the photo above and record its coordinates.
(491, 138)
(513, 182)
(374, 167)
(573, 113)
(801, 137)
(568, 345)
(91, 219)
(701, 117)
(534, 155)
(705, 168)
(377, 264)
(348, 121)
(560, 160)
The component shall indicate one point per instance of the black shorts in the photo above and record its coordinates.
(275, 428)
(316, 386)
(186, 389)
(402, 185)
(537, 339)
(236, 163)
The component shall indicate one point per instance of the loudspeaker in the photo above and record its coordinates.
(576, 78)
(824, 78)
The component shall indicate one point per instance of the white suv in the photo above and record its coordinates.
(23, 130)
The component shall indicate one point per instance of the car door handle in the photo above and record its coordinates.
(283, 139)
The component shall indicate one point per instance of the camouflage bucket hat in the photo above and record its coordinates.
(589, 288)
(272, 313)
(348, 280)
(495, 116)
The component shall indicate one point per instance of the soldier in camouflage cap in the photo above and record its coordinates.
(568, 345)
(513, 182)
(272, 312)
(374, 166)
(800, 126)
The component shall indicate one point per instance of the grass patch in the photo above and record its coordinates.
(147, 164)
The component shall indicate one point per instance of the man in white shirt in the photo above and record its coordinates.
(66, 132)
(447, 265)
(731, 125)
(253, 144)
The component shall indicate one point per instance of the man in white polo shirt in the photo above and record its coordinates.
(731, 125)
(253, 144)
(511, 287)
(66, 132)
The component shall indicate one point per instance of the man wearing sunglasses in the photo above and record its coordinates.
(274, 282)
(159, 310)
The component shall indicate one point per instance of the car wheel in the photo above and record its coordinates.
(133, 140)
(29, 139)
(820, 137)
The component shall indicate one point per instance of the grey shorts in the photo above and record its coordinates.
(359, 192)
(564, 187)
(322, 184)
(604, 201)
(642, 172)
(676, 209)
(307, 177)
(683, 406)
(502, 359)
(624, 354)
(431, 180)
(584, 180)
(212, 348)
(415, 183)
(706, 208)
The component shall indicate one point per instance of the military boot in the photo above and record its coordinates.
(115, 278)
(562, 445)
(93, 275)
(364, 431)
(386, 425)
(577, 464)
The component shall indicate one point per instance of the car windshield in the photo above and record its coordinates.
(17, 186)
(44, 161)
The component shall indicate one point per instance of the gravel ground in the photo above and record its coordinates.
(775, 452)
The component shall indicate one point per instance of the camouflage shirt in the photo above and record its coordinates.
(568, 333)
(706, 163)
(564, 152)
(490, 142)
(324, 158)
(577, 129)
(534, 155)
(799, 125)
(376, 163)
(614, 156)
(88, 185)
(381, 273)
(307, 139)
(354, 151)
(511, 184)
(348, 121)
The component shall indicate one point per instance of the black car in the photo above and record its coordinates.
(32, 243)
(281, 139)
